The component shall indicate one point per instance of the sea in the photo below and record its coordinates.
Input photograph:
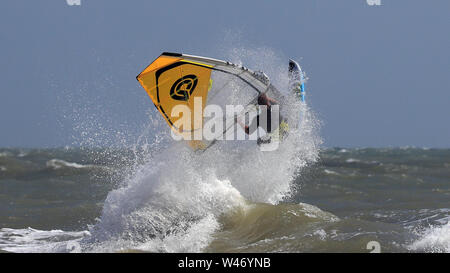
(147, 192)
(344, 200)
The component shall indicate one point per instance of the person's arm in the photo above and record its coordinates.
(277, 94)
(273, 101)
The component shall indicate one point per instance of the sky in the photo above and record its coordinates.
(378, 75)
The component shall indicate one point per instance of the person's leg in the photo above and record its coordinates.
(251, 128)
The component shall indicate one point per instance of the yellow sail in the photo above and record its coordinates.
(185, 80)
(172, 81)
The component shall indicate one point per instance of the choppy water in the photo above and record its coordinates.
(52, 199)
(154, 194)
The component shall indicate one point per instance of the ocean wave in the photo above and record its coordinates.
(352, 160)
(157, 213)
(59, 163)
(434, 239)
(330, 172)
(173, 200)
(5, 154)
(22, 154)
(260, 227)
(31, 240)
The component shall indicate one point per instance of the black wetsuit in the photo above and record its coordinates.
(267, 126)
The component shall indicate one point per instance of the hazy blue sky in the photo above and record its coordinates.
(379, 75)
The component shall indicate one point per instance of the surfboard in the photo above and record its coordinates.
(296, 79)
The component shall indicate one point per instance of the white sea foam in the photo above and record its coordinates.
(315, 212)
(330, 172)
(5, 154)
(22, 154)
(433, 239)
(321, 234)
(164, 202)
(59, 163)
(33, 240)
(352, 160)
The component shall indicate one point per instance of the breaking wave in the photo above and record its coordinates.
(173, 199)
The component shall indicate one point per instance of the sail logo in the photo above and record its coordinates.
(183, 88)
